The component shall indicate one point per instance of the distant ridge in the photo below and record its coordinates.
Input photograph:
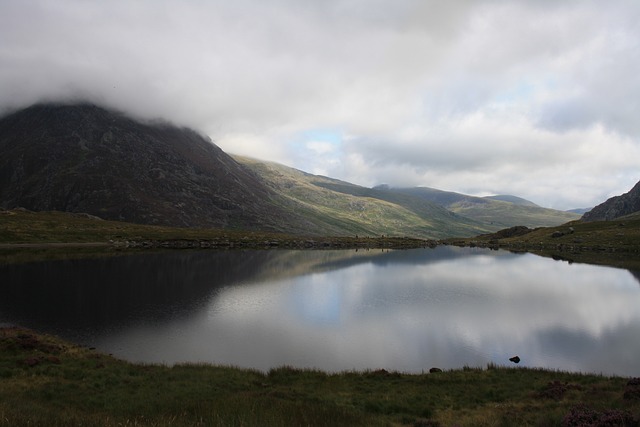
(513, 199)
(579, 211)
(439, 213)
(615, 207)
(339, 205)
(498, 211)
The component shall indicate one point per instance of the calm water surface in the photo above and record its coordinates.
(336, 310)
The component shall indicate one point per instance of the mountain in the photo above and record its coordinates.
(83, 158)
(615, 207)
(341, 207)
(580, 211)
(513, 199)
(496, 211)
(86, 159)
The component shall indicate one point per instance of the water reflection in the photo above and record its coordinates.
(337, 310)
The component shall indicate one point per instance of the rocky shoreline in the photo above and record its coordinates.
(272, 243)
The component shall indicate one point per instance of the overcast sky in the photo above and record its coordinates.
(539, 99)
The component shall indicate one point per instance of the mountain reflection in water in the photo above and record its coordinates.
(336, 310)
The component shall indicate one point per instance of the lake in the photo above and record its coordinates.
(336, 310)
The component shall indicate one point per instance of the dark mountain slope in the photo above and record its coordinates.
(616, 206)
(83, 158)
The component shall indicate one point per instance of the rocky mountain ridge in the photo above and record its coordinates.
(615, 207)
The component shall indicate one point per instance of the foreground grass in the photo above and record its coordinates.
(45, 381)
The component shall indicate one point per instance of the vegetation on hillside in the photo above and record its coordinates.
(48, 382)
(344, 208)
(496, 211)
(420, 212)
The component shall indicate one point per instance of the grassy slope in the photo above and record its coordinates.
(505, 214)
(21, 226)
(497, 213)
(49, 382)
(342, 208)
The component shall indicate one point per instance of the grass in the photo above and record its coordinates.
(20, 226)
(46, 381)
(614, 243)
(504, 214)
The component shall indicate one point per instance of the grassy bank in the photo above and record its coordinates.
(24, 229)
(614, 243)
(45, 381)
(28, 236)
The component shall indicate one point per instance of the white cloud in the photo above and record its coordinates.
(538, 99)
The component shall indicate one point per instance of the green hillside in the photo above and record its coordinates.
(497, 211)
(513, 199)
(506, 214)
(339, 208)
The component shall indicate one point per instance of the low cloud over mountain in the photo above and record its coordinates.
(534, 98)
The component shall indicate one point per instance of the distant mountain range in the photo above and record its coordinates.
(580, 211)
(498, 211)
(616, 207)
(84, 158)
(344, 207)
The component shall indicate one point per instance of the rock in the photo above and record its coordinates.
(616, 207)
(31, 361)
(632, 390)
(582, 415)
(53, 359)
(515, 359)
(556, 390)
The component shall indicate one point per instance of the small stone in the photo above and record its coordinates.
(31, 361)
(53, 359)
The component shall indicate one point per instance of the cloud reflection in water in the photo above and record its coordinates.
(412, 310)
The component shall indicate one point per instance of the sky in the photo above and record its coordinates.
(535, 98)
